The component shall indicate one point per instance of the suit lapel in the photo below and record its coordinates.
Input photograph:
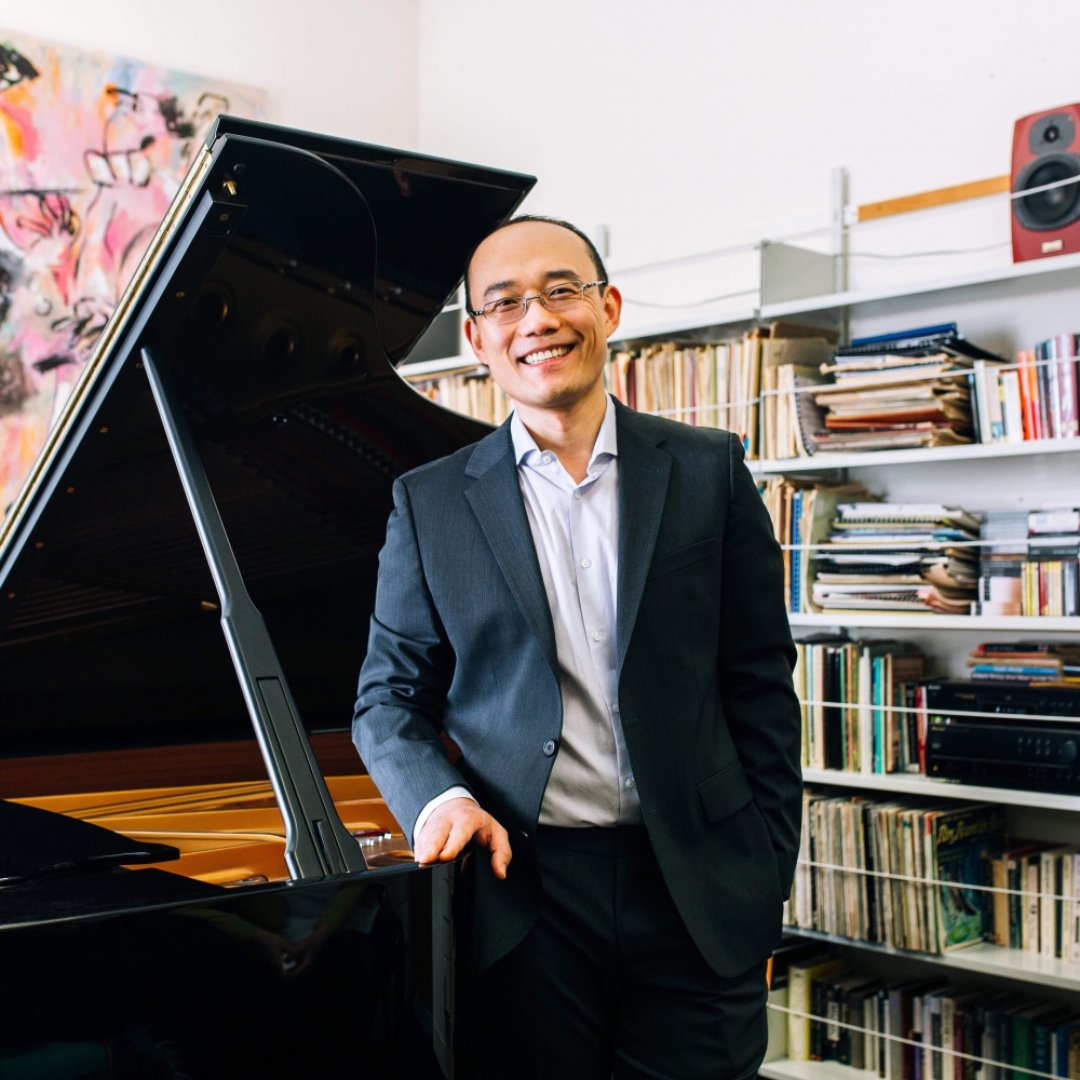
(644, 470)
(495, 498)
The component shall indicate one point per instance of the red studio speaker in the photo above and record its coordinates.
(1046, 148)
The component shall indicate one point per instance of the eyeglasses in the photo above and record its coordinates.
(510, 309)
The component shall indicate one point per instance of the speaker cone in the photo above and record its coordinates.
(1054, 208)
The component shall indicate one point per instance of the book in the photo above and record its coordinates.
(1029, 394)
(791, 950)
(809, 416)
(1064, 353)
(794, 401)
(776, 1048)
(919, 337)
(801, 978)
(900, 1024)
(944, 337)
(965, 839)
(1043, 1034)
(785, 351)
(877, 512)
(1012, 406)
(860, 1009)
(1067, 1048)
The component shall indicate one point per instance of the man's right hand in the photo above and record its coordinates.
(452, 825)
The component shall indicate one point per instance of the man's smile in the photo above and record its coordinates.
(542, 355)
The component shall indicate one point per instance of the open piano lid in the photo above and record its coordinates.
(225, 463)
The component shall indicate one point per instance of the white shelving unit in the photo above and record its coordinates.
(912, 784)
(968, 452)
(1033, 270)
(811, 1070)
(884, 620)
(990, 960)
(1003, 310)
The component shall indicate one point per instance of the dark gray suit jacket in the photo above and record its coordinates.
(462, 641)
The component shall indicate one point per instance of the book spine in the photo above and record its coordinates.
(1028, 394)
(1042, 368)
(1045, 903)
(1069, 417)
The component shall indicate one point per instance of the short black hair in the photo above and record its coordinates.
(598, 263)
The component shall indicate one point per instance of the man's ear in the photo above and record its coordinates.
(612, 309)
(474, 337)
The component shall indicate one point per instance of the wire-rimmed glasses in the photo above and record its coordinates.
(510, 309)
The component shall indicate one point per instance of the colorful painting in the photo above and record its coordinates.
(92, 150)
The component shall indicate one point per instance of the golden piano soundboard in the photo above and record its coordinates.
(186, 580)
(230, 833)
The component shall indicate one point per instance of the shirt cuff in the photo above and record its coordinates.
(457, 792)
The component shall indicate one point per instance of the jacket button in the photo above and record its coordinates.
(549, 747)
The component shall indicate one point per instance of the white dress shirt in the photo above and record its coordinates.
(575, 530)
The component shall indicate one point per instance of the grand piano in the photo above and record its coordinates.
(196, 877)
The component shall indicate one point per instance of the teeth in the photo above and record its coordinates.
(547, 354)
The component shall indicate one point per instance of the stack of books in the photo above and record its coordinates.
(1025, 662)
(1051, 574)
(911, 388)
(1001, 561)
(898, 557)
(1030, 562)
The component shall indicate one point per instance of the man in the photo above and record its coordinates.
(589, 604)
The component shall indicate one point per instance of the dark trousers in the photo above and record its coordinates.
(609, 983)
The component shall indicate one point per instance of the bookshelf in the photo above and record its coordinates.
(1004, 308)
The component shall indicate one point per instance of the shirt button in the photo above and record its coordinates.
(547, 459)
(577, 494)
(629, 785)
(549, 748)
(597, 636)
(586, 563)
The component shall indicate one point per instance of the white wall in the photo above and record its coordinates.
(342, 67)
(685, 125)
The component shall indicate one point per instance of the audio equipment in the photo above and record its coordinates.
(1046, 150)
(1008, 747)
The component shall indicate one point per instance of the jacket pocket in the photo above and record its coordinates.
(691, 555)
(724, 792)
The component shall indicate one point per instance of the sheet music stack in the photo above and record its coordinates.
(898, 557)
(907, 389)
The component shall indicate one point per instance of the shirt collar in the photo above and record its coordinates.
(606, 442)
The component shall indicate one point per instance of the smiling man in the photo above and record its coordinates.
(589, 604)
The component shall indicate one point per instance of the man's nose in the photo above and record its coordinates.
(537, 317)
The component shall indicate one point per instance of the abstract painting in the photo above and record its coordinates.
(92, 150)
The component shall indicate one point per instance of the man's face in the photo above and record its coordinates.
(551, 360)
